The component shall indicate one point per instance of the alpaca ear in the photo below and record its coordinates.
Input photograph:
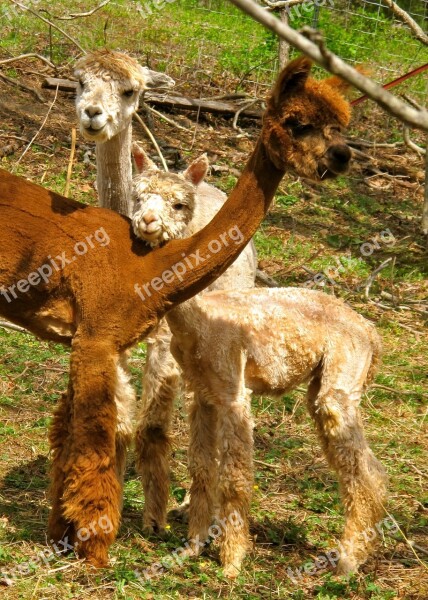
(292, 79)
(153, 80)
(196, 171)
(141, 161)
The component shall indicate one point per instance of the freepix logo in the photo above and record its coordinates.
(54, 265)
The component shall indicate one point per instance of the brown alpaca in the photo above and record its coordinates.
(304, 120)
(62, 286)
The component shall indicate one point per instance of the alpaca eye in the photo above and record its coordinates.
(299, 128)
(128, 93)
(178, 206)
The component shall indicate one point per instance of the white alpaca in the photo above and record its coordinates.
(110, 84)
(232, 343)
(166, 204)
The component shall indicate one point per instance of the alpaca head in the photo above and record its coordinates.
(303, 124)
(108, 90)
(164, 203)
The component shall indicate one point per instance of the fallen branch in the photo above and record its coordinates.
(29, 55)
(22, 86)
(407, 19)
(164, 117)
(394, 391)
(12, 326)
(312, 44)
(266, 279)
(171, 102)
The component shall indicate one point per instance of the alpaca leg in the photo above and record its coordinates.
(361, 476)
(160, 386)
(59, 438)
(91, 499)
(235, 482)
(202, 468)
(125, 405)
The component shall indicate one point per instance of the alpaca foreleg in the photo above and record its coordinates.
(361, 476)
(92, 492)
(235, 481)
(202, 468)
(160, 386)
(125, 404)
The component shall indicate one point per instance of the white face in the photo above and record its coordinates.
(163, 206)
(104, 106)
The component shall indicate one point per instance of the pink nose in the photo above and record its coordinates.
(149, 217)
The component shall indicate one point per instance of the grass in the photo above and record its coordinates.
(296, 514)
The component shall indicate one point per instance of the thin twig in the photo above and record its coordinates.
(70, 162)
(395, 391)
(72, 16)
(154, 142)
(312, 44)
(238, 112)
(39, 130)
(22, 86)
(39, 16)
(407, 19)
(406, 136)
(373, 276)
(162, 116)
(268, 465)
(12, 326)
(29, 55)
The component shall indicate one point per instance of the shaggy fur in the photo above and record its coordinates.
(110, 84)
(269, 342)
(166, 204)
(91, 304)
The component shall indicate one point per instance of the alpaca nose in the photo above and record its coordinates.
(340, 153)
(149, 217)
(93, 111)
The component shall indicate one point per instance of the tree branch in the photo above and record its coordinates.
(407, 19)
(29, 55)
(314, 47)
(39, 16)
(72, 16)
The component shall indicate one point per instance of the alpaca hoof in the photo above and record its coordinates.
(155, 530)
(231, 571)
(346, 566)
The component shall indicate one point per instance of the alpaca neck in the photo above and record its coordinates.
(114, 172)
(244, 211)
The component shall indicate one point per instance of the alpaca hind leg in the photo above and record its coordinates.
(235, 480)
(361, 476)
(160, 386)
